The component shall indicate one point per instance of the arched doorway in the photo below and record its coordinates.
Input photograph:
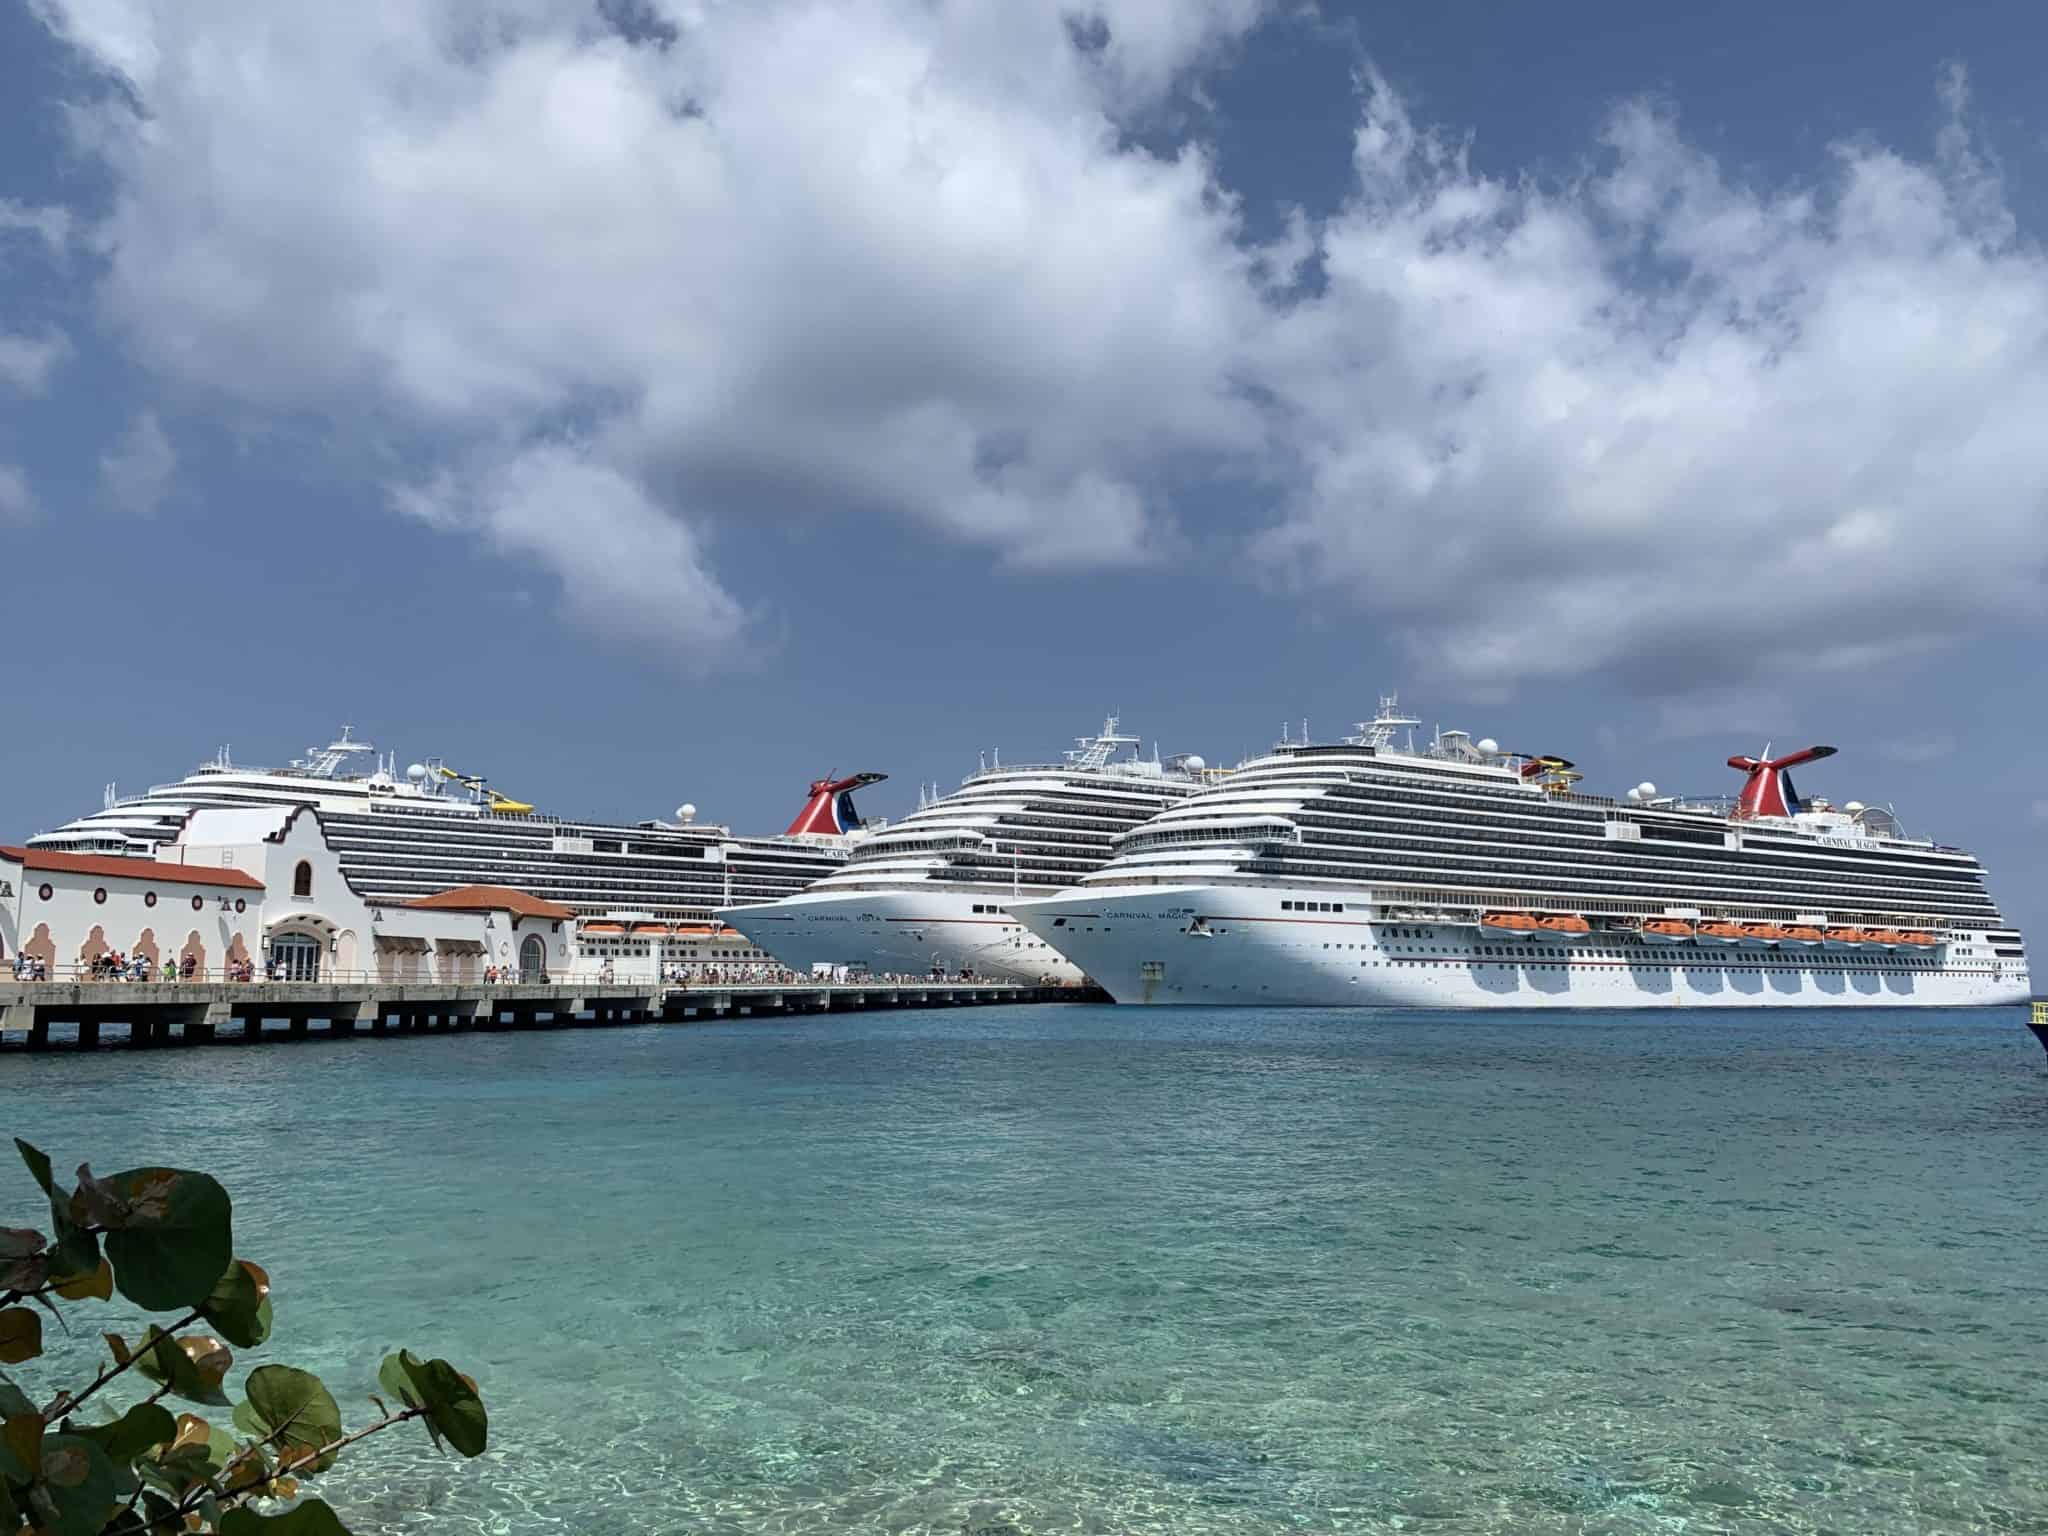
(533, 958)
(296, 956)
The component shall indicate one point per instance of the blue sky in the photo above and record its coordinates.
(660, 401)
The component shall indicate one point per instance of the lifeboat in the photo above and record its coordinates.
(1920, 938)
(1845, 938)
(1762, 935)
(1890, 938)
(1722, 933)
(1801, 936)
(1565, 926)
(1509, 925)
(1667, 930)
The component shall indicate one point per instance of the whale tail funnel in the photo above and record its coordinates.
(830, 809)
(1769, 791)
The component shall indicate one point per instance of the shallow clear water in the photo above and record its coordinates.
(1081, 1269)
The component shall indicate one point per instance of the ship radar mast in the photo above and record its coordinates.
(1378, 732)
(328, 762)
(1096, 751)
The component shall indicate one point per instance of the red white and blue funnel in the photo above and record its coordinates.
(1769, 791)
(830, 808)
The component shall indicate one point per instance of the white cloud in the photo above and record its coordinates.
(51, 225)
(813, 259)
(26, 362)
(901, 257)
(627, 568)
(1660, 422)
(17, 501)
(136, 472)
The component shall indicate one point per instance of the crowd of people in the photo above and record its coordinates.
(113, 965)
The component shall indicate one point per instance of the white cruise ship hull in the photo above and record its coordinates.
(1238, 946)
(903, 932)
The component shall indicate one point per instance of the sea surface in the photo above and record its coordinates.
(1073, 1269)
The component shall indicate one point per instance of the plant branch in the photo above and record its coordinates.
(66, 1402)
(235, 1497)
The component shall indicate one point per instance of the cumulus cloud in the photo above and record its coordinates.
(136, 472)
(50, 225)
(1660, 421)
(17, 501)
(906, 258)
(26, 362)
(786, 258)
(627, 568)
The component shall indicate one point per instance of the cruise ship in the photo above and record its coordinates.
(1373, 872)
(931, 891)
(402, 837)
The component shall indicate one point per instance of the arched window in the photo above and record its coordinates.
(302, 879)
(533, 958)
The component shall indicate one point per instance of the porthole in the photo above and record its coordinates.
(241, 905)
(198, 903)
(45, 892)
(149, 898)
(99, 896)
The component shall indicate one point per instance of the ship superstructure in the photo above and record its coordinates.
(404, 836)
(1372, 871)
(930, 892)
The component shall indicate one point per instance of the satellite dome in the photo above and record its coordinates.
(1194, 762)
(1647, 790)
(686, 813)
(416, 771)
(1634, 795)
(1854, 807)
(1488, 746)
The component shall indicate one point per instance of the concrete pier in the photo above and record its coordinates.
(159, 1014)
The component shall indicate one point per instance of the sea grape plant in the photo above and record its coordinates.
(162, 1239)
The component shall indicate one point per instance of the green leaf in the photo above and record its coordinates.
(296, 1408)
(96, 1286)
(454, 1412)
(21, 1441)
(125, 1438)
(21, 1335)
(13, 1401)
(171, 1233)
(192, 1365)
(38, 1166)
(77, 1251)
(22, 1265)
(79, 1481)
(240, 1305)
(309, 1518)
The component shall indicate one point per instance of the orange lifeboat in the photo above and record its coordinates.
(1920, 938)
(1565, 926)
(1767, 935)
(1801, 934)
(1722, 933)
(1509, 925)
(1845, 938)
(1890, 938)
(1667, 930)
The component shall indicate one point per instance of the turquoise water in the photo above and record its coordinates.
(1096, 1270)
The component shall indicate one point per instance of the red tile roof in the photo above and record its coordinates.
(494, 898)
(110, 866)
